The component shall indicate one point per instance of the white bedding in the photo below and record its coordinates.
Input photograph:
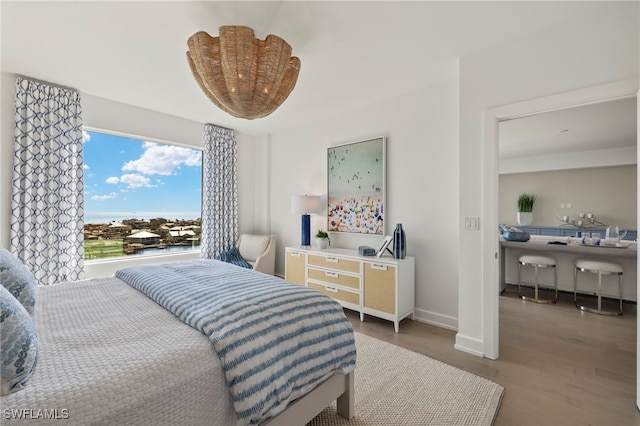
(275, 340)
(119, 359)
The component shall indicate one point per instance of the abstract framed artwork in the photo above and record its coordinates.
(356, 180)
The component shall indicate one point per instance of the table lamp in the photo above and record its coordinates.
(305, 204)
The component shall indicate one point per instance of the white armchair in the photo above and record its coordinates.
(259, 251)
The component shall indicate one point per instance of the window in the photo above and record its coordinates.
(141, 197)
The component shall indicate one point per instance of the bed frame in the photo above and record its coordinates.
(301, 411)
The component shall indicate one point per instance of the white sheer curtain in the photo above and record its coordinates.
(47, 204)
(219, 191)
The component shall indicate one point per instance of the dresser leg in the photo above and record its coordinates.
(361, 316)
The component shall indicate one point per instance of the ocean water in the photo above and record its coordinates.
(168, 249)
(107, 217)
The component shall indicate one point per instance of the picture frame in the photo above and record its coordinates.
(356, 187)
(385, 244)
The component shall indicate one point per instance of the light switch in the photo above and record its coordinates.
(471, 223)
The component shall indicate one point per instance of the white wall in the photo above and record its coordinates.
(607, 192)
(103, 114)
(7, 124)
(559, 60)
(422, 181)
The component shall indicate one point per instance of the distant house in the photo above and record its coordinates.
(180, 235)
(144, 237)
(116, 229)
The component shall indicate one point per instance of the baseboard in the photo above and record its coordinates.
(469, 345)
(439, 320)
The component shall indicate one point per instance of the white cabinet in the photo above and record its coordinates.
(383, 287)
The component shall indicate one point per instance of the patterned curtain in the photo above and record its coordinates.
(47, 213)
(219, 191)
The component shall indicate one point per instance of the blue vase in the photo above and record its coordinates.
(399, 243)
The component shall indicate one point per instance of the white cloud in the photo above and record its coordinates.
(85, 167)
(112, 179)
(163, 159)
(104, 197)
(86, 137)
(136, 181)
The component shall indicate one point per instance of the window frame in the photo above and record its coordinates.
(143, 258)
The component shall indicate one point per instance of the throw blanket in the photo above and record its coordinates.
(233, 256)
(275, 340)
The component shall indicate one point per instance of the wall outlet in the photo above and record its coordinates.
(568, 205)
(562, 205)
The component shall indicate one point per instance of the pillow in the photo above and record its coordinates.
(233, 256)
(18, 344)
(253, 246)
(16, 278)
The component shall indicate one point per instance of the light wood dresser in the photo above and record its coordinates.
(380, 286)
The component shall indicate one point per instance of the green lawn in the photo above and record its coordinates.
(100, 249)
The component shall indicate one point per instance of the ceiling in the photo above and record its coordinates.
(353, 53)
(594, 127)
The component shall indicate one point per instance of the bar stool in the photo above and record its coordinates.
(601, 268)
(538, 262)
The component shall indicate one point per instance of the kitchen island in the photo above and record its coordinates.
(565, 256)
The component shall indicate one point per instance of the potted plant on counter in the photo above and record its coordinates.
(525, 209)
(322, 239)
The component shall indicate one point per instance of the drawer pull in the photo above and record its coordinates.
(294, 253)
(379, 266)
(332, 259)
(331, 289)
(331, 274)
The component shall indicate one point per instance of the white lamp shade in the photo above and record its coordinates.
(305, 204)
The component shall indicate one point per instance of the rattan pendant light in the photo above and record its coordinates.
(244, 76)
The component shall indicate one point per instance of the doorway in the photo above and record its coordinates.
(492, 117)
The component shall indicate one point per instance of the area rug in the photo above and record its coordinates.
(395, 386)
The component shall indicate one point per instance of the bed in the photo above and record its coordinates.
(109, 353)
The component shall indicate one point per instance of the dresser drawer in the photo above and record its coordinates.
(338, 294)
(334, 277)
(333, 262)
(380, 287)
(294, 267)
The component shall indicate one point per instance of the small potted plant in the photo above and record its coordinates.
(322, 239)
(525, 209)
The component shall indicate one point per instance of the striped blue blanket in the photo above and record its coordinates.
(275, 340)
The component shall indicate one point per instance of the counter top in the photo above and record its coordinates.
(573, 246)
(572, 231)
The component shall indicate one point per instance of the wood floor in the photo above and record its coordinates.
(558, 365)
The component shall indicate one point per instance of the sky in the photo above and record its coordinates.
(125, 176)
